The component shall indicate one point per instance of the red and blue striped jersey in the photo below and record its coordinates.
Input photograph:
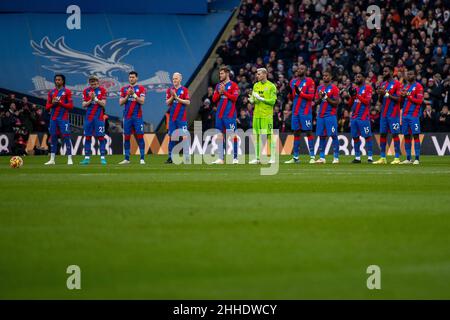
(226, 102)
(413, 100)
(302, 102)
(132, 109)
(94, 110)
(389, 107)
(177, 109)
(326, 109)
(361, 102)
(60, 109)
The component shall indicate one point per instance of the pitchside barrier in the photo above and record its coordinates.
(432, 144)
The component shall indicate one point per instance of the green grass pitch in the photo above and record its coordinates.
(224, 232)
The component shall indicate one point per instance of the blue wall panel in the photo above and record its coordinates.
(108, 45)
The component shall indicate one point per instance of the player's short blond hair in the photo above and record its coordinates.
(263, 70)
(177, 74)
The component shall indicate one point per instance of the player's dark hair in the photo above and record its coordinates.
(133, 72)
(63, 77)
(225, 69)
(327, 71)
(411, 69)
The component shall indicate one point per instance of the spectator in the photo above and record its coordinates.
(243, 84)
(287, 119)
(26, 116)
(209, 94)
(243, 120)
(418, 21)
(277, 117)
(344, 122)
(443, 121)
(375, 119)
(8, 122)
(39, 125)
(206, 114)
(325, 60)
(428, 119)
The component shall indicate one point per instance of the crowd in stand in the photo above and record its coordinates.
(20, 117)
(333, 34)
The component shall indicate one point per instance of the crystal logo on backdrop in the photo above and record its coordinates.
(103, 62)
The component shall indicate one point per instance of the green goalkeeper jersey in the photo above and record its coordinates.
(268, 91)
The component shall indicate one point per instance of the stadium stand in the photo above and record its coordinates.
(279, 35)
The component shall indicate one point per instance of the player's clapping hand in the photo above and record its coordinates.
(257, 96)
(297, 90)
(322, 94)
(352, 91)
(130, 91)
(221, 88)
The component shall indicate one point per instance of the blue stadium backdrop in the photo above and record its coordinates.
(151, 37)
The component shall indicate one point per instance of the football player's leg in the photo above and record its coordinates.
(357, 146)
(396, 139)
(395, 130)
(172, 128)
(100, 133)
(295, 124)
(64, 127)
(321, 132)
(336, 146)
(369, 146)
(235, 141)
(366, 132)
(139, 129)
(332, 127)
(126, 138)
(354, 131)
(87, 146)
(54, 137)
(408, 147)
(322, 144)
(53, 142)
(271, 143)
(220, 140)
(141, 144)
(383, 136)
(185, 137)
(88, 129)
(415, 129)
(417, 146)
(407, 135)
(256, 136)
(306, 126)
(87, 149)
(231, 128)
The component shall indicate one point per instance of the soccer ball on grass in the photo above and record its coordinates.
(15, 162)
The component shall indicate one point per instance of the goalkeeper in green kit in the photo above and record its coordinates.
(264, 96)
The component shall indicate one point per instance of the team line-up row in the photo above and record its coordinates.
(393, 95)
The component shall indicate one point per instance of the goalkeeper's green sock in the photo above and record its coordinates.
(258, 146)
(272, 144)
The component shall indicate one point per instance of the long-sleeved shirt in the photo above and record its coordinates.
(268, 91)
